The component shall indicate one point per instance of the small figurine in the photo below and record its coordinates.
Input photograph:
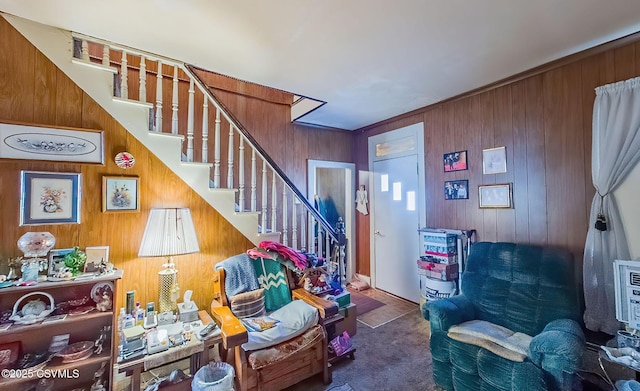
(105, 304)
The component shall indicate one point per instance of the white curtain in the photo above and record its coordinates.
(616, 151)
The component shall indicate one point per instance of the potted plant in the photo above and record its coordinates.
(75, 260)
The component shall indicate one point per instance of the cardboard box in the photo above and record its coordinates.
(440, 271)
(343, 299)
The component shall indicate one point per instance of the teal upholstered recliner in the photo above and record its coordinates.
(527, 289)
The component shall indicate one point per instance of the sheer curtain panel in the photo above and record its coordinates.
(615, 152)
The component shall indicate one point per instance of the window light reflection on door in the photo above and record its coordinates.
(397, 191)
(411, 201)
(384, 182)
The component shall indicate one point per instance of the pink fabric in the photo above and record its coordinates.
(257, 253)
(300, 260)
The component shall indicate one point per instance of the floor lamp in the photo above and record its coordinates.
(169, 232)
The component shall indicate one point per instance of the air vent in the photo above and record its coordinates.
(634, 278)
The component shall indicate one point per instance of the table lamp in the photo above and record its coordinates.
(169, 232)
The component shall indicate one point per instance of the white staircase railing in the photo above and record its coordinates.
(194, 110)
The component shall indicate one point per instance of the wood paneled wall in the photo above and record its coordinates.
(544, 121)
(33, 90)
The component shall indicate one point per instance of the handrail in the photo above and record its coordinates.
(235, 123)
(238, 125)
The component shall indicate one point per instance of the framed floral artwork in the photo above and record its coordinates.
(120, 194)
(49, 198)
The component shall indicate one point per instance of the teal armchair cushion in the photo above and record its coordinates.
(525, 288)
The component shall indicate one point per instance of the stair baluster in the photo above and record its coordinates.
(143, 79)
(124, 76)
(285, 216)
(265, 193)
(174, 102)
(241, 175)
(190, 121)
(216, 153)
(254, 179)
(230, 159)
(274, 201)
(158, 127)
(105, 55)
(205, 131)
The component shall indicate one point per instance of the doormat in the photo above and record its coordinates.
(363, 302)
(344, 387)
(392, 309)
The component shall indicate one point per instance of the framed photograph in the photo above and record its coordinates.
(55, 144)
(120, 194)
(56, 260)
(455, 161)
(456, 190)
(49, 198)
(495, 196)
(95, 255)
(494, 160)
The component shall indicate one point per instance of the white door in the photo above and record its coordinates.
(397, 187)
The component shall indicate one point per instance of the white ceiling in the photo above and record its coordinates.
(368, 59)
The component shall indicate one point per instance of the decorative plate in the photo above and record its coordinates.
(125, 160)
(81, 310)
(76, 351)
(100, 289)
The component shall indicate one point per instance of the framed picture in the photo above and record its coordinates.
(56, 260)
(43, 143)
(495, 196)
(49, 198)
(95, 256)
(494, 160)
(456, 190)
(120, 194)
(455, 161)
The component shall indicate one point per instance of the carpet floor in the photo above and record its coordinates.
(394, 356)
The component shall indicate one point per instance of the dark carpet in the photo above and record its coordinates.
(364, 303)
(392, 357)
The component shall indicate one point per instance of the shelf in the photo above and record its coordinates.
(58, 366)
(44, 285)
(68, 320)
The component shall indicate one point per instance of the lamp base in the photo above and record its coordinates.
(168, 286)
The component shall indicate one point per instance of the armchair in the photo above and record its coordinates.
(513, 288)
(279, 357)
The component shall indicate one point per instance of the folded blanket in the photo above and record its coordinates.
(240, 276)
(495, 338)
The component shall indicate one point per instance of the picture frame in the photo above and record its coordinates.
(49, 198)
(494, 160)
(32, 142)
(455, 161)
(120, 194)
(95, 256)
(495, 196)
(56, 260)
(456, 190)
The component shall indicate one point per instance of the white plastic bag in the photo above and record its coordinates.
(215, 376)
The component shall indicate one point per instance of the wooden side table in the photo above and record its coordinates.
(196, 350)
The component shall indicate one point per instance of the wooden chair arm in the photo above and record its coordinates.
(326, 308)
(233, 331)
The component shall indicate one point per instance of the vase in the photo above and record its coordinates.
(12, 274)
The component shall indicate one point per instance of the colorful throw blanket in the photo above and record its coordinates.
(240, 275)
(495, 338)
(271, 277)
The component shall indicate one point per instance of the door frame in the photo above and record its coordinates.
(350, 210)
(415, 131)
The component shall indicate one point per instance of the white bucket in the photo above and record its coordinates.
(433, 289)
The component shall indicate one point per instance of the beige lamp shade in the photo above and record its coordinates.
(169, 232)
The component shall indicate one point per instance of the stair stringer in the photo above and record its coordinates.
(56, 45)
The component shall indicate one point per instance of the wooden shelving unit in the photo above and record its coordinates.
(36, 338)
